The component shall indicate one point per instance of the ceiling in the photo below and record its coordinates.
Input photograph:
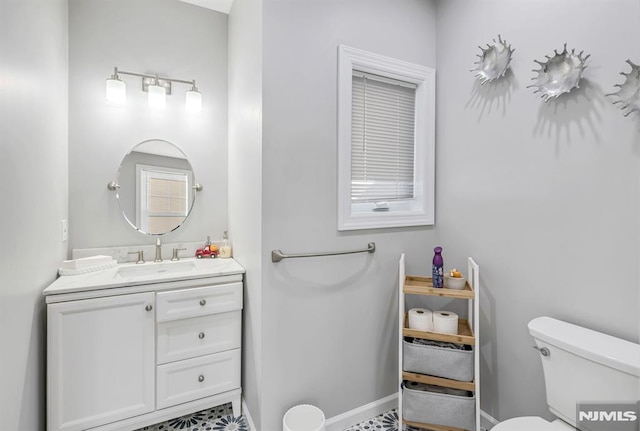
(223, 6)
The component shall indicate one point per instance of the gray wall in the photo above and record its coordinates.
(33, 185)
(329, 324)
(245, 184)
(167, 37)
(544, 196)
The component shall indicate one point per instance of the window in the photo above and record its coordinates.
(163, 200)
(385, 142)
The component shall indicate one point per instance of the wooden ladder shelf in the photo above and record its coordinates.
(467, 335)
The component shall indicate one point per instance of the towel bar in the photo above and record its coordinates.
(278, 255)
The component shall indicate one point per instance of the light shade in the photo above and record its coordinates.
(193, 101)
(157, 96)
(116, 92)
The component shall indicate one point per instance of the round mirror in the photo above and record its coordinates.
(155, 187)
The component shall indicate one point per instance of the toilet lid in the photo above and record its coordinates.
(526, 423)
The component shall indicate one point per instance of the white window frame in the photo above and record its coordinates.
(412, 212)
(143, 173)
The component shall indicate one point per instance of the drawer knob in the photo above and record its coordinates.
(201, 335)
(201, 378)
(148, 307)
(203, 302)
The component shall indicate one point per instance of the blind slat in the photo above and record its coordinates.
(382, 139)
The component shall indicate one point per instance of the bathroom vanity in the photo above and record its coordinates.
(135, 345)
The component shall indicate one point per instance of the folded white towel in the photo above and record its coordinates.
(86, 262)
(87, 269)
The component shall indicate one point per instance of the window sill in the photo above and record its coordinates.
(378, 220)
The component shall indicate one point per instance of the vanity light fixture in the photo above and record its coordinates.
(157, 87)
(157, 95)
(116, 89)
(193, 101)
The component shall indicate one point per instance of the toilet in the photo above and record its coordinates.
(579, 365)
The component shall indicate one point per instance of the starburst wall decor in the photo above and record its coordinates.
(494, 61)
(629, 91)
(559, 74)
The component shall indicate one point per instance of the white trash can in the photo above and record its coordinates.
(303, 417)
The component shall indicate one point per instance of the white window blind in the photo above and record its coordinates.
(382, 138)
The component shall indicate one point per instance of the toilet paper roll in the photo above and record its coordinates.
(421, 319)
(445, 322)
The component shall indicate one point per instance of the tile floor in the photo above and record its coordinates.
(216, 419)
(385, 422)
(221, 419)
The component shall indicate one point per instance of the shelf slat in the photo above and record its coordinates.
(430, 427)
(464, 336)
(438, 381)
(415, 285)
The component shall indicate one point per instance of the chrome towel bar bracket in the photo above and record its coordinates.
(278, 255)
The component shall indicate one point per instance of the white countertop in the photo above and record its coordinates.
(132, 274)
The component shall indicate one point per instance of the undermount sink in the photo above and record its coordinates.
(152, 268)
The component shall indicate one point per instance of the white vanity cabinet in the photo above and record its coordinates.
(199, 333)
(101, 360)
(126, 356)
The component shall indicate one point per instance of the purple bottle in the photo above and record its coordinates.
(437, 271)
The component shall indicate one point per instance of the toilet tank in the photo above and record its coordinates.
(585, 366)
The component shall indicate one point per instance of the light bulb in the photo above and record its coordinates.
(116, 92)
(193, 101)
(157, 96)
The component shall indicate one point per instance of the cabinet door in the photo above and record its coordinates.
(100, 360)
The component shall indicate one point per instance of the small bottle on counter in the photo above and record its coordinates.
(437, 271)
(225, 250)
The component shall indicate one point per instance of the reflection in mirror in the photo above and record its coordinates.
(156, 191)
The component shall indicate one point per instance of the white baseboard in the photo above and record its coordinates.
(487, 421)
(247, 416)
(359, 414)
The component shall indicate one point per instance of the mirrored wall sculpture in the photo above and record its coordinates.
(559, 74)
(629, 91)
(494, 61)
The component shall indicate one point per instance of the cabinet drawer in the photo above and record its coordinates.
(198, 301)
(183, 381)
(197, 336)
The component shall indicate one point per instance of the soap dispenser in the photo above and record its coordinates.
(225, 250)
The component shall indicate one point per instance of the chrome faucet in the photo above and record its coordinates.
(140, 254)
(175, 256)
(158, 251)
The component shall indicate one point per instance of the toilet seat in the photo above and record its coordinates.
(525, 423)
